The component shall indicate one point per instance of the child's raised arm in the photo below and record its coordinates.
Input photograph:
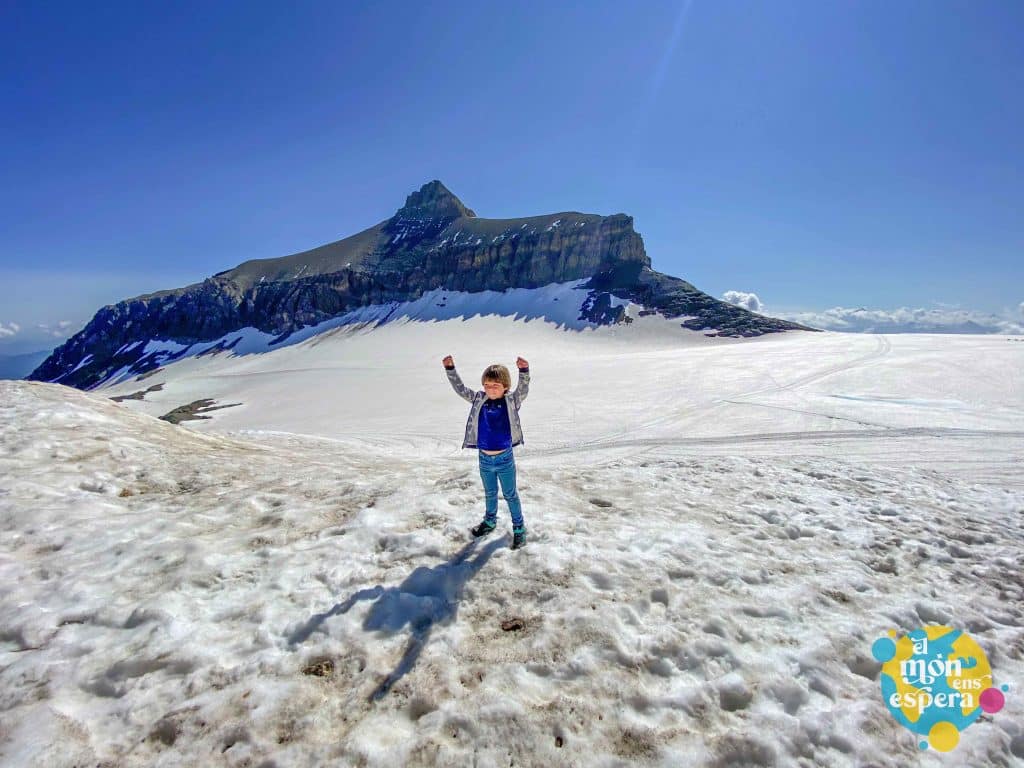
(453, 378)
(523, 385)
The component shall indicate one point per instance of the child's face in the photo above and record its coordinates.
(494, 389)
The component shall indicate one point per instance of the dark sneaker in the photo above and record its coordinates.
(483, 528)
(518, 538)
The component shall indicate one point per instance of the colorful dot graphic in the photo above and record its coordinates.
(936, 681)
(992, 700)
(883, 649)
(944, 736)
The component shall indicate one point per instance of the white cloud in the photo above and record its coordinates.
(742, 299)
(905, 320)
(1021, 307)
(57, 331)
(6, 331)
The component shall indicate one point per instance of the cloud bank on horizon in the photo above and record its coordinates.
(42, 333)
(942, 319)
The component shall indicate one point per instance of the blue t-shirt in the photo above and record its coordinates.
(494, 432)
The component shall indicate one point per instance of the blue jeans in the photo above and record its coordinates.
(500, 466)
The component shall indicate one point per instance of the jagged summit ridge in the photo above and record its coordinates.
(427, 212)
(433, 200)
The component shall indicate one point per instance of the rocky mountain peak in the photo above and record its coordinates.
(433, 201)
(433, 241)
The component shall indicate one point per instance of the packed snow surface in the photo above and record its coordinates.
(718, 531)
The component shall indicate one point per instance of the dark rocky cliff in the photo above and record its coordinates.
(433, 241)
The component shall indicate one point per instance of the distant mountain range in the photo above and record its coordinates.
(19, 366)
(433, 241)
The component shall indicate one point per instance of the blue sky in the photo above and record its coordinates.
(837, 154)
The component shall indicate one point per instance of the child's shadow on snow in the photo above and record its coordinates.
(428, 596)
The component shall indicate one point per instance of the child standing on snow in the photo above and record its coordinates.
(493, 427)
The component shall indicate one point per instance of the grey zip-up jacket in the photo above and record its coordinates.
(513, 400)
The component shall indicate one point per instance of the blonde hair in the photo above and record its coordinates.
(497, 373)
